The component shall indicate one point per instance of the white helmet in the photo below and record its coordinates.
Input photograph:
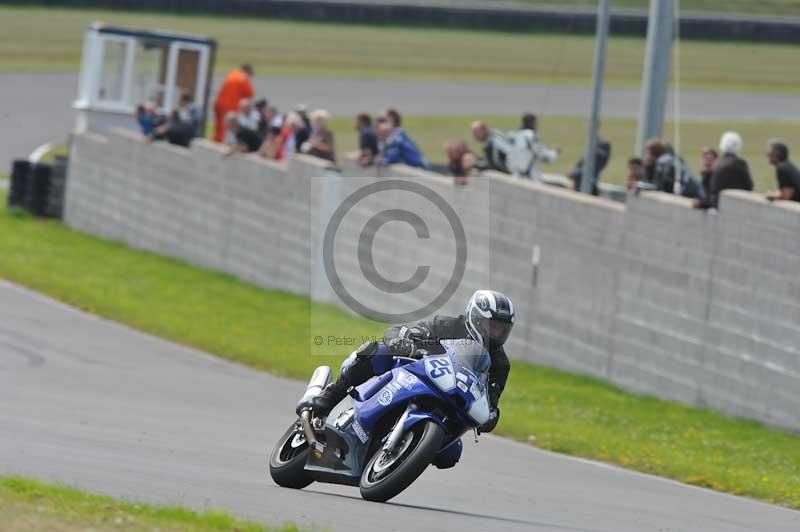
(489, 318)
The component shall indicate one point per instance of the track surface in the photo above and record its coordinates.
(97, 405)
(36, 107)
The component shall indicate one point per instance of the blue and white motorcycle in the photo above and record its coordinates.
(384, 434)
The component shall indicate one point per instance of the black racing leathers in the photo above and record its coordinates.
(450, 328)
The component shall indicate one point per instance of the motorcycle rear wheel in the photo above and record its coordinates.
(288, 460)
(385, 476)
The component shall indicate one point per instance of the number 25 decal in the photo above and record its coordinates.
(440, 367)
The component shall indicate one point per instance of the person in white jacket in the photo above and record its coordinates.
(527, 150)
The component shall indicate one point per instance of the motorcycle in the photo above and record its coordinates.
(386, 432)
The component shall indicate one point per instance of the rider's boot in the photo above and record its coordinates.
(358, 372)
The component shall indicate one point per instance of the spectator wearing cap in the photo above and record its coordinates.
(398, 148)
(730, 171)
(321, 142)
(367, 140)
(786, 172)
(495, 147)
(237, 85)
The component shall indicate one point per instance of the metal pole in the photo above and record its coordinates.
(655, 78)
(588, 171)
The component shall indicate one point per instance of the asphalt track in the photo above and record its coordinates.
(97, 405)
(36, 107)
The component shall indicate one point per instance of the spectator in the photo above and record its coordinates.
(601, 156)
(394, 118)
(367, 140)
(287, 138)
(495, 147)
(320, 142)
(237, 138)
(398, 148)
(275, 118)
(653, 150)
(730, 171)
(460, 161)
(175, 131)
(709, 158)
(189, 114)
(248, 116)
(667, 167)
(527, 150)
(231, 128)
(635, 173)
(263, 123)
(237, 85)
(304, 131)
(147, 118)
(786, 172)
(270, 148)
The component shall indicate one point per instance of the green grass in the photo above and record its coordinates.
(271, 330)
(761, 7)
(33, 506)
(36, 39)
(431, 132)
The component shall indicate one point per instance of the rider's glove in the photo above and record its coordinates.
(489, 426)
(401, 347)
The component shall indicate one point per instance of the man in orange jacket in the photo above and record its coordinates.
(237, 85)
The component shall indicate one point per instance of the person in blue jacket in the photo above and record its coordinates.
(398, 148)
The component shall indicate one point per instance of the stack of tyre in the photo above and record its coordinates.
(39, 187)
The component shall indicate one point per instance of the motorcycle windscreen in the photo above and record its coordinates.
(471, 355)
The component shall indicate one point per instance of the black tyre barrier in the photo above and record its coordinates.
(18, 188)
(38, 187)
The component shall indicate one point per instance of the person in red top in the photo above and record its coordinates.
(237, 85)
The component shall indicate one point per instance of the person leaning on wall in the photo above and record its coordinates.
(786, 172)
(730, 171)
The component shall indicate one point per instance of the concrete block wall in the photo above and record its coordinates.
(654, 296)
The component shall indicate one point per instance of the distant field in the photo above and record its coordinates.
(761, 7)
(431, 132)
(50, 40)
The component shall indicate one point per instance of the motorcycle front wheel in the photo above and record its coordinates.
(288, 460)
(386, 475)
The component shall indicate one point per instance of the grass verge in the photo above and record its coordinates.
(761, 7)
(48, 39)
(431, 132)
(33, 506)
(270, 330)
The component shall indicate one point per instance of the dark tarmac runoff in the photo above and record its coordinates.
(100, 406)
(37, 107)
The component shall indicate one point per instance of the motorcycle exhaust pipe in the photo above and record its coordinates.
(319, 380)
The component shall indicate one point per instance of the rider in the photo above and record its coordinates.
(488, 319)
